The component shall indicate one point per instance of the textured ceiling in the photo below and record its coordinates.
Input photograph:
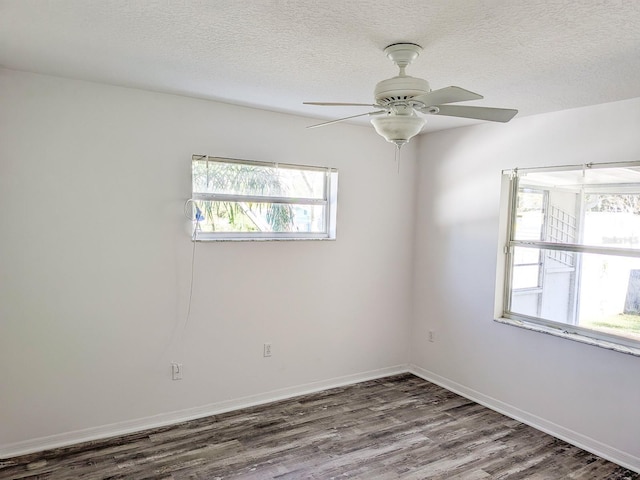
(533, 55)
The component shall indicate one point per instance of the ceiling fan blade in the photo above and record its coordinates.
(337, 104)
(479, 113)
(346, 118)
(447, 95)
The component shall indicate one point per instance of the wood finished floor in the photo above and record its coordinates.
(399, 427)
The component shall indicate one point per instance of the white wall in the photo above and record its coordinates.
(95, 263)
(583, 393)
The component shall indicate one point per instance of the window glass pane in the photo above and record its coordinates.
(525, 276)
(526, 256)
(598, 292)
(612, 220)
(597, 207)
(548, 215)
(259, 217)
(609, 220)
(526, 267)
(610, 294)
(246, 179)
(529, 214)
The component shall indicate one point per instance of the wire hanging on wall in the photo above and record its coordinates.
(179, 327)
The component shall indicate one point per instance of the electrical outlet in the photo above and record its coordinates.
(266, 352)
(432, 336)
(176, 371)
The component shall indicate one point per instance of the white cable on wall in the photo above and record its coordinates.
(182, 326)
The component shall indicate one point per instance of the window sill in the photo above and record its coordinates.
(576, 337)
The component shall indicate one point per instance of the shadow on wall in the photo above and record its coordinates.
(465, 178)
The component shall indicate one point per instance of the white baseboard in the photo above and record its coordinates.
(623, 459)
(170, 418)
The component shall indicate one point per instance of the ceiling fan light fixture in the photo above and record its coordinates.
(398, 129)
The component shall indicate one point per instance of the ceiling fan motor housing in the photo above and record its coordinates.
(399, 89)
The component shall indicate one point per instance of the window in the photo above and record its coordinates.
(247, 200)
(572, 252)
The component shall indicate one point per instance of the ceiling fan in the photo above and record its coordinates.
(400, 99)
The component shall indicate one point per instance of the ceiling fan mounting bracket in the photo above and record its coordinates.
(402, 54)
(400, 89)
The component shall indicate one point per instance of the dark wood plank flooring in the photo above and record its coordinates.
(399, 427)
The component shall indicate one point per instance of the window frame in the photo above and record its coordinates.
(328, 201)
(508, 243)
